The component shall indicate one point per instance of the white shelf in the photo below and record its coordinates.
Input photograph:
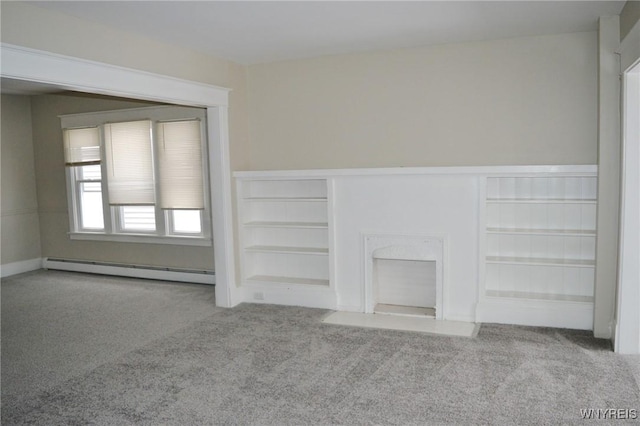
(542, 200)
(288, 250)
(511, 260)
(529, 231)
(288, 280)
(304, 225)
(538, 249)
(287, 199)
(284, 232)
(539, 296)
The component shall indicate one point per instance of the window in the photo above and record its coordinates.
(138, 175)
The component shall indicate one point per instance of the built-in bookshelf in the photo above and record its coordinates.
(539, 240)
(284, 232)
(520, 239)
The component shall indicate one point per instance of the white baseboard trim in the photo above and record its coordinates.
(577, 316)
(305, 296)
(403, 323)
(360, 309)
(350, 308)
(460, 318)
(129, 271)
(14, 268)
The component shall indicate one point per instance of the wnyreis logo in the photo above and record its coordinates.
(609, 413)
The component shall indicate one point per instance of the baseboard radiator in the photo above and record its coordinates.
(135, 271)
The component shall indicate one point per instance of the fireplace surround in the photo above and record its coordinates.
(403, 247)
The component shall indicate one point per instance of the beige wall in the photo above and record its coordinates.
(629, 16)
(52, 193)
(516, 101)
(43, 29)
(29, 26)
(19, 205)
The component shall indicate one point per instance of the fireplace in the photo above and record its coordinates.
(404, 275)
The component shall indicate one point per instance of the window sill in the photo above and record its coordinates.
(141, 238)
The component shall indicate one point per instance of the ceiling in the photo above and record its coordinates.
(251, 32)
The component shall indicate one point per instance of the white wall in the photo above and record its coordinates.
(401, 205)
(516, 101)
(19, 204)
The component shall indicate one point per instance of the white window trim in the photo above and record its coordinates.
(113, 230)
(180, 240)
(73, 195)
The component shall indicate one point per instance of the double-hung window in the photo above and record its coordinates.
(138, 175)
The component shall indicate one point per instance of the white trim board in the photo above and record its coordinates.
(627, 324)
(130, 271)
(557, 170)
(81, 75)
(67, 72)
(540, 313)
(289, 295)
(14, 268)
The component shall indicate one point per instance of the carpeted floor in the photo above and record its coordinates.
(274, 365)
(56, 325)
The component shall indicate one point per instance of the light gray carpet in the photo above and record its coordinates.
(59, 324)
(274, 365)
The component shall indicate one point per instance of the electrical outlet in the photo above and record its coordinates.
(258, 295)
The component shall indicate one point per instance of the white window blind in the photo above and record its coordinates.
(180, 165)
(140, 175)
(129, 163)
(138, 218)
(81, 146)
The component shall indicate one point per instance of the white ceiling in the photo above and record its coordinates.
(252, 32)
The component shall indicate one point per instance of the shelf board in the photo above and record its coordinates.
(526, 231)
(287, 199)
(288, 250)
(288, 280)
(539, 296)
(536, 261)
(542, 200)
(320, 225)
